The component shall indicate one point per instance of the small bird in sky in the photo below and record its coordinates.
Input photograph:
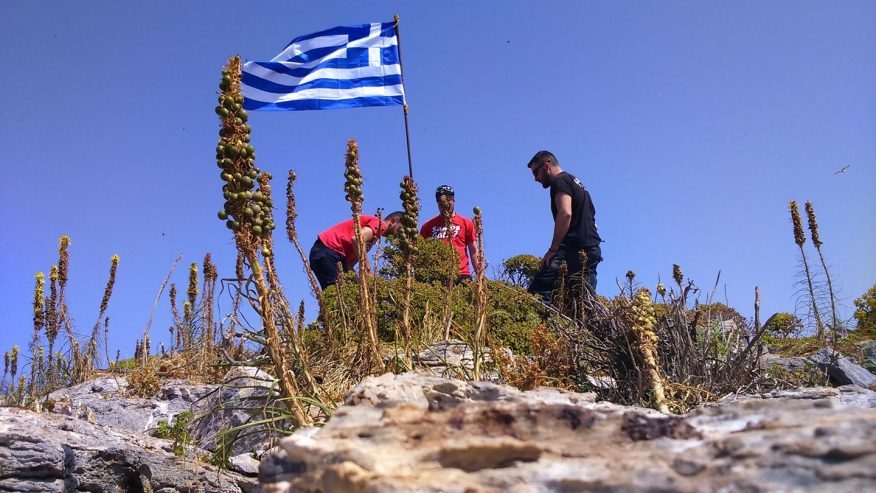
(841, 170)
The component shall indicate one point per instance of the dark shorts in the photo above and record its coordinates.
(544, 282)
(324, 263)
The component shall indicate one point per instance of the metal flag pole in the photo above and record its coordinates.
(407, 131)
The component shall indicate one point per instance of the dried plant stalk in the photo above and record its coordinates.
(800, 239)
(481, 307)
(368, 313)
(292, 233)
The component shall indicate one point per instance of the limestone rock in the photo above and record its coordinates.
(45, 452)
(841, 369)
(868, 355)
(412, 433)
(100, 401)
(238, 401)
(450, 358)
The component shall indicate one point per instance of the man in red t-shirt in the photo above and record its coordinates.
(338, 244)
(462, 232)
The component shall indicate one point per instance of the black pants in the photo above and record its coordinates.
(324, 263)
(545, 281)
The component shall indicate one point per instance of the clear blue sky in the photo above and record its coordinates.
(692, 124)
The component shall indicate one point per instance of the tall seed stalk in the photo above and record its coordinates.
(247, 214)
(52, 322)
(39, 321)
(208, 324)
(643, 327)
(189, 307)
(62, 310)
(368, 314)
(816, 240)
(408, 237)
(280, 299)
(444, 210)
(800, 239)
(292, 234)
(91, 355)
(481, 296)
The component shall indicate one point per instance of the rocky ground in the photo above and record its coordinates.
(401, 433)
(424, 432)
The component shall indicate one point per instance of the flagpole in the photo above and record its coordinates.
(407, 131)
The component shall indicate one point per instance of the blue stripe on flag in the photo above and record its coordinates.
(324, 104)
(344, 59)
(354, 32)
(268, 86)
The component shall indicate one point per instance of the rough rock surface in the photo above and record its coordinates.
(99, 401)
(236, 402)
(841, 369)
(218, 407)
(450, 358)
(44, 452)
(401, 433)
(868, 355)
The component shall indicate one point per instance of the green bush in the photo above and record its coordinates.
(783, 325)
(435, 261)
(512, 313)
(520, 269)
(865, 311)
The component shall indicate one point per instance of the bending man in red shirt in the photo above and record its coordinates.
(461, 235)
(338, 244)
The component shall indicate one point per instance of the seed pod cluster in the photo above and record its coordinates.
(353, 176)
(799, 237)
(677, 276)
(39, 315)
(644, 318)
(264, 218)
(813, 224)
(247, 210)
(408, 233)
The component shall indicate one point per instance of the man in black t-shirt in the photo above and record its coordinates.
(574, 227)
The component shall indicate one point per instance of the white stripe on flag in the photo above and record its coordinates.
(323, 73)
(325, 93)
(296, 49)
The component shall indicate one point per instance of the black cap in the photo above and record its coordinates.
(444, 190)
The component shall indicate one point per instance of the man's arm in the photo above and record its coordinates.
(368, 238)
(563, 201)
(473, 256)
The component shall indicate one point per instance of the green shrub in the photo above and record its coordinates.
(865, 311)
(436, 262)
(512, 314)
(520, 269)
(783, 325)
(178, 432)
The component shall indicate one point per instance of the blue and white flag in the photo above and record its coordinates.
(342, 67)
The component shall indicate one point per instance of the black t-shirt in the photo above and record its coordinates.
(582, 229)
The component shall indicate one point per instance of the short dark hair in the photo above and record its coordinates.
(393, 215)
(541, 157)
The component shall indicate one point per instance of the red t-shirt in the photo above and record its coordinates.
(339, 237)
(461, 235)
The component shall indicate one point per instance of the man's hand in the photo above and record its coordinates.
(546, 260)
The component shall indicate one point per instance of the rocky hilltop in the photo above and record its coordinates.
(419, 433)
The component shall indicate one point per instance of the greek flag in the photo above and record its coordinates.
(342, 67)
